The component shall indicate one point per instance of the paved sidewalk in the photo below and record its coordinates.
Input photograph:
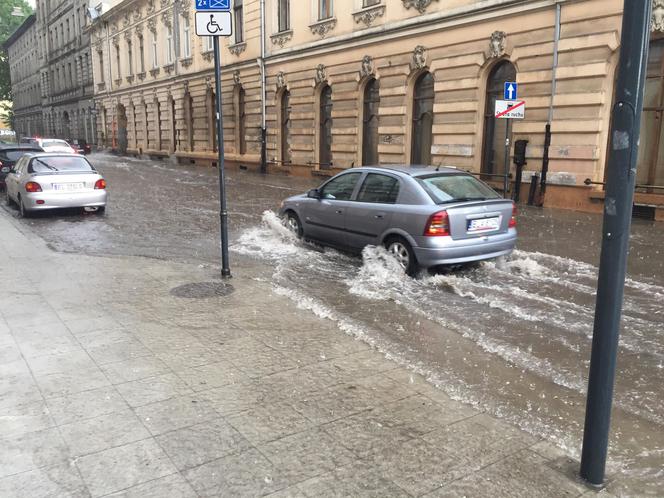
(110, 385)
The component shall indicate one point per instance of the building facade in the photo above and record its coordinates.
(51, 72)
(24, 58)
(66, 69)
(317, 86)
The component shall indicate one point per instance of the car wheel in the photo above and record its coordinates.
(21, 209)
(294, 224)
(400, 249)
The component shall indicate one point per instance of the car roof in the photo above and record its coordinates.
(27, 147)
(414, 169)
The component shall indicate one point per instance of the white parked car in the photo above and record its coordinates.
(55, 145)
(45, 181)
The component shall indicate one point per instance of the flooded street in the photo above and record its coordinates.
(510, 336)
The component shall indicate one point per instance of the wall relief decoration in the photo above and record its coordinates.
(419, 58)
(321, 74)
(497, 44)
(367, 68)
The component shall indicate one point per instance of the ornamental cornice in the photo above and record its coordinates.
(152, 24)
(237, 49)
(322, 28)
(369, 15)
(167, 19)
(657, 19)
(282, 38)
(420, 5)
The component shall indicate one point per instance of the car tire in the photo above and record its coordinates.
(21, 209)
(101, 210)
(403, 253)
(294, 224)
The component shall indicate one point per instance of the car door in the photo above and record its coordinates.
(371, 213)
(325, 217)
(13, 178)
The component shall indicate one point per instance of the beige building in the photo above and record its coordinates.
(351, 82)
(51, 72)
(24, 59)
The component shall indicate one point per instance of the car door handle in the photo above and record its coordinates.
(339, 211)
(380, 216)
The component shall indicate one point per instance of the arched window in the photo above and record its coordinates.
(240, 114)
(157, 123)
(189, 119)
(496, 129)
(284, 128)
(212, 119)
(421, 137)
(325, 128)
(370, 123)
(146, 126)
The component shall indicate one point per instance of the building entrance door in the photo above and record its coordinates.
(650, 163)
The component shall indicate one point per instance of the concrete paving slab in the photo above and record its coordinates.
(59, 481)
(120, 468)
(86, 405)
(152, 389)
(201, 443)
(34, 450)
(172, 486)
(134, 369)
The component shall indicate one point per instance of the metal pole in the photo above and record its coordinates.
(223, 213)
(621, 178)
(507, 159)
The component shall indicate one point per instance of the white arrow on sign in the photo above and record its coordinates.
(510, 91)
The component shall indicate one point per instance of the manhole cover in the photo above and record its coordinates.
(200, 290)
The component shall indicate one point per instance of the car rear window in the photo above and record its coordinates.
(54, 143)
(446, 188)
(59, 164)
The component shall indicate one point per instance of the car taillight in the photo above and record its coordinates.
(438, 224)
(100, 184)
(513, 218)
(33, 187)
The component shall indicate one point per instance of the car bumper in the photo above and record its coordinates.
(61, 200)
(448, 251)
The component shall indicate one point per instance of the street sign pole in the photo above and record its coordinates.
(506, 176)
(223, 212)
(620, 182)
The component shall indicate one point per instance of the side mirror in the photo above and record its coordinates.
(314, 193)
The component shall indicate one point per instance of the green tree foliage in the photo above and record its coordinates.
(8, 24)
(7, 115)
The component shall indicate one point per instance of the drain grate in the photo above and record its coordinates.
(201, 290)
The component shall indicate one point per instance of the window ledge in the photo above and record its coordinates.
(282, 37)
(187, 61)
(323, 27)
(101, 86)
(118, 82)
(237, 48)
(130, 79)
(368, 15)
(208, 55)
(169, 68)
(154, 72)
(141, 76)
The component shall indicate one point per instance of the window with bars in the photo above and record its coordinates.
(238, 15)
(324, 9)
(186, 39)
(283, 15)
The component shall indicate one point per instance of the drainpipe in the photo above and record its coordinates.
(261, 65)
(547, 129)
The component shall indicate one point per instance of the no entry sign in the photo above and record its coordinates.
(510, 109)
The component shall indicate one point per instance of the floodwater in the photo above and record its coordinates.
(511, 336)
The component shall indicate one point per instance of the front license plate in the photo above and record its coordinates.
(483, 225)
(68, 186)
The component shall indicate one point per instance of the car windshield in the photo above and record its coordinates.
(54, 143)
(445, 188)
(59, 164)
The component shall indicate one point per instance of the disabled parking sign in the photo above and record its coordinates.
(213, 24)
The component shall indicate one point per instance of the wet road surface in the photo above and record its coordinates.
(512, 336)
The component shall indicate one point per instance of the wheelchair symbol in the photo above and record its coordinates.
(212, 27)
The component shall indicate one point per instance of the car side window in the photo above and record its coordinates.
(340, 188)
(380, 189)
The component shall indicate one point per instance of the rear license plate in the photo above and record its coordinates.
(68, 186)
(483, 224)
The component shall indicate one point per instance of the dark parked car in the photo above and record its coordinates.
(424, 216)
(9, 154)
(80, 145)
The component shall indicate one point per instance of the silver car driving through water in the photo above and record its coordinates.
(425, 216)
(45, 181)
